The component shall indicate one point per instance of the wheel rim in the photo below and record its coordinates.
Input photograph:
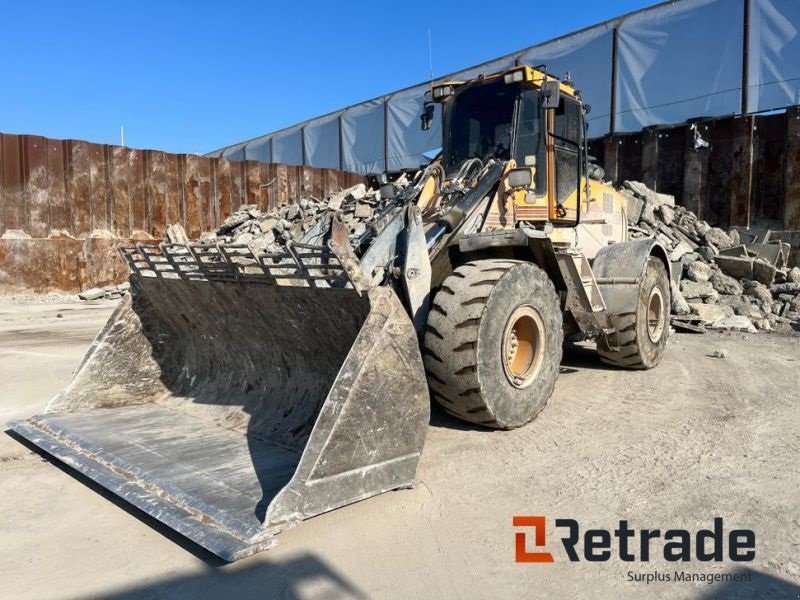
(655, 315)
(523, 346)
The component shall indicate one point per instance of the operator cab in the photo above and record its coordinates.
(522, 114)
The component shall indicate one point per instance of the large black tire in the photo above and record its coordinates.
(492, 346)
(642, 335)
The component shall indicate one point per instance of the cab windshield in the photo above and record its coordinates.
(477, 124)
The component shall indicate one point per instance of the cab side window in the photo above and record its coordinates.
(530, 150)
(567, 126)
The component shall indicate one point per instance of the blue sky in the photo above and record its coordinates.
(195, 76)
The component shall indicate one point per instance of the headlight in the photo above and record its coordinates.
(514, 76)
(442, 92)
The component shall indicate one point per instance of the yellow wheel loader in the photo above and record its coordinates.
(236, 391)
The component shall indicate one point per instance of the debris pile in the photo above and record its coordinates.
(728, 280)
(271, 230)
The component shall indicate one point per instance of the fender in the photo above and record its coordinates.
(619, 268)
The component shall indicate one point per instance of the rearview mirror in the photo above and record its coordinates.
(551, 93)
(428, 112)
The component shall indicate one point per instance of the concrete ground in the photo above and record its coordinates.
(697, 438)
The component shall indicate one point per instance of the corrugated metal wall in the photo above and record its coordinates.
(65, 204)
(77, 187)
(747, 176)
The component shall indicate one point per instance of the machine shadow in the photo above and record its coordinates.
(301, 577)
(577, 357)
(760, 585)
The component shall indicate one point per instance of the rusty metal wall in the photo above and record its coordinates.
(65, 204)
(748, 176)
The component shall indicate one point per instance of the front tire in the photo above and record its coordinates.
(641, 335)
(493, 342)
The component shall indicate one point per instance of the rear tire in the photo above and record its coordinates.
(642, 335)
(492, 345)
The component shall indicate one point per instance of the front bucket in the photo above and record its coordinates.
(229, 411)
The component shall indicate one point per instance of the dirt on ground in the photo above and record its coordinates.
(698, 437)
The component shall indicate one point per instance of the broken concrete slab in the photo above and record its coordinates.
(292, 212)
(679, 304)
(718, 238)
(740, 305)
(753, 236)
(680, 250)
(786, 288)
(634, 207)
(667, 213)
(696, 289)
(725, 284)
(709, 313)
(699, 271)
(176, 234)
(738, 268)
(763, 272)
(776, 253)
(762, 324)
(92, 294)
(738, 251)
(363, 211)
(735, 323)
(759, 291)
(690, 323)
(707, 253)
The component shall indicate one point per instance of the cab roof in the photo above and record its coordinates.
(535, 76)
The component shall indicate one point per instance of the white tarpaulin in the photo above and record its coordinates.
(322, 142)
(363, 137)
(287, 146)
(675, 62)
(258, 149)
(587, 57)
(774, 54)
(407, 141)
(679, 62)
(235, 152)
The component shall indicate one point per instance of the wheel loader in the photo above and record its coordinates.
(237, 391)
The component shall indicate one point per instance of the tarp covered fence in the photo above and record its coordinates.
(676, 61)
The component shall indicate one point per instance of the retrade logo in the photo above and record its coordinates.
(539, 539)
(629, 545)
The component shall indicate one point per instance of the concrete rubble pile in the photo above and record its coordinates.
(271, 230)
(726, 280)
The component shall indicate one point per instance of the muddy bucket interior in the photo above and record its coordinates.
(230, 411)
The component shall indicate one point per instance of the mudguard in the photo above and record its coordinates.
(618, 270)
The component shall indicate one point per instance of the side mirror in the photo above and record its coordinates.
(551, 93)
(428, 112)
